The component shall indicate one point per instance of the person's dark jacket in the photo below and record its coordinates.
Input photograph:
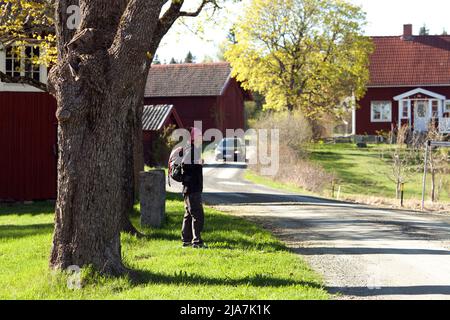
(192, 174)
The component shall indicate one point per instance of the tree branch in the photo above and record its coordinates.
(199, 9)
(174, 12)
(23, 80)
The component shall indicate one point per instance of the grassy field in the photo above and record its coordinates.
(242, 262)
(364, 171)
(267, 181)
(362, 177)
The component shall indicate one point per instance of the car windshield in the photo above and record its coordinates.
(230, 143)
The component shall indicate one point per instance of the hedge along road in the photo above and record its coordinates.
(362, 252)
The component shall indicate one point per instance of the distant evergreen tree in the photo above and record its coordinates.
(444, 32)
(156, 60)
(189, 58)
(424, 31)
(173, 61)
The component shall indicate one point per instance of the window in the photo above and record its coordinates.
(16, 66)
(32, 70)
(12, 63)
(447, 106)
(404, 111)
(381, 111)
(421, 109)
(435, 109)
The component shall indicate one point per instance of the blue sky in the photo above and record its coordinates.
(385, 17)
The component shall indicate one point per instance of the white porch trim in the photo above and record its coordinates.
(408, 101)
(422, 91)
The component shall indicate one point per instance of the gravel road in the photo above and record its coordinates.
(362, 252)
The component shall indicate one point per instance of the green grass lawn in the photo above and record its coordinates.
(243, 262)
(363, 171)
(269, 182)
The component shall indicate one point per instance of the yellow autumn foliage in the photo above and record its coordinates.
(302, 54)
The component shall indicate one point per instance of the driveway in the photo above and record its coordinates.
(361, 252)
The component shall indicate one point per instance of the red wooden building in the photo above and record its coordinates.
(28, 130)
(154, 120)
(199, 92)
(409, 85)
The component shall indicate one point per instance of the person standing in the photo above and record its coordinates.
(194, 217)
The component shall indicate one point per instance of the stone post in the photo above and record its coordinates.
(153, 198)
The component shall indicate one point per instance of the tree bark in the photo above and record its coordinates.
(98, 81)
(99, 84)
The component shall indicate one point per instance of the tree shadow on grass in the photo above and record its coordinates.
(23, 231)
(259, 280)
(221, 231)
(354, 182)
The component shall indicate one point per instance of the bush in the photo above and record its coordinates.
(295, 135)
(295, 131)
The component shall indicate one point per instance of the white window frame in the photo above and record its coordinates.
(16, 62)
(402, 106)
(447, 106)
(378, 102)
(23, 61)
(19, 87)
(438, 107)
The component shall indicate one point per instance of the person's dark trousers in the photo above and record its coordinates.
(194, 218)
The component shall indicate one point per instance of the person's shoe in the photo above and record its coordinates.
(199, 246)
(187, 245)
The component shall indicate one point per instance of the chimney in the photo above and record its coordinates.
(407, 32)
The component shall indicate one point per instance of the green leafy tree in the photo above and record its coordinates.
(302, 54)
(173, 61)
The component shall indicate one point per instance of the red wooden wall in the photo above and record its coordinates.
(191, 109)
(231, 104)
(27, 146)
(224, 112)
(365, 126)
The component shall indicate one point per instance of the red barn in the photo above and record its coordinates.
(199, 92)
(409, 85)
(28, 130)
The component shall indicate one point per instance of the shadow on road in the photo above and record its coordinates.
(406, 290)
(226, 165)
(234, 198)
(358, 251)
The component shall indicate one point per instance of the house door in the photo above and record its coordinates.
(421, 115)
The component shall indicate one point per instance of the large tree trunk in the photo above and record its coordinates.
(90, 183)
(98, 82)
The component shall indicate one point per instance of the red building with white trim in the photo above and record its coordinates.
(28, 133)
(409, 84)
(199, 92)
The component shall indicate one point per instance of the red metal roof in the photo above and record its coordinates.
(155, 117)
(423, 60)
